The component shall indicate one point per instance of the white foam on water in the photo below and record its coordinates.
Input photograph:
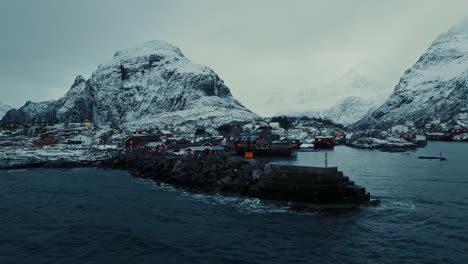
(242, 204)
(152, 184)
(400, 205)
(17, 170)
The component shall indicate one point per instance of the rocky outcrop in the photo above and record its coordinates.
(378, 139)
(150, 84)
(435, 87)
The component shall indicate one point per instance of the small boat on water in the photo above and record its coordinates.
(432, 158)
(306, 147)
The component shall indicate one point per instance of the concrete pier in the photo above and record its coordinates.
(315, 187)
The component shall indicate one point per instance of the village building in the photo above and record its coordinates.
(132, 141)
(72, 125)
(165, 133)
(324, 142)
(45, 141)
(106, 140)
(204, 150)
(280, 132)
(274, 125)
(80, 140)
(295, 132)
(176, 147)
(87, 124)
(151, 146)
(212, 141)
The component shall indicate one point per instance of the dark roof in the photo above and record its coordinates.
(179, 146)
(282, 143)
(247, 137)
(147, 138)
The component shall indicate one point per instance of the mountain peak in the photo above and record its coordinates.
(79, 79)
(149, 48)
(149, 84)
(436, 86)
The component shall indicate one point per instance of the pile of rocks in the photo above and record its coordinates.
(231, 174)
(209, 174)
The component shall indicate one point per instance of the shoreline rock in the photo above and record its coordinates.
(378, 139)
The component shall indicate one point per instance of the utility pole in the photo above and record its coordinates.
(326, 160)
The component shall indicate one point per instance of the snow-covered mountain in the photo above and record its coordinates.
(354, 83)
(362, 95)
(436, 86)
(150, 84)
(346, 111)
(351, 109)
(4, 109)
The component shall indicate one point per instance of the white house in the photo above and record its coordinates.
(274, 125)
(80, 140)
(280, 132)
(295, 132)
(399, 129)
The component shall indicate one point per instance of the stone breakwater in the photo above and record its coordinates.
(209, 174)
(317, 188)
(312, 187)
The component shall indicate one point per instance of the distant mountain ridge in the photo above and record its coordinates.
(347, 111)
(150, 84)
(435, 87)
(4, 109)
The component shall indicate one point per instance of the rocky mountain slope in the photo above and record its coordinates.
(436, 86)
(354, 96)
(346, 111)
(151, 84)
(4, 109)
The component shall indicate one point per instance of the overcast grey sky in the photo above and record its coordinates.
(268, 52)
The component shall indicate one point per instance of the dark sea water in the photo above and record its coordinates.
(104, 216)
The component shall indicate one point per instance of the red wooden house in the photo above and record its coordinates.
(250, 142)
(152, 146)
(164, 133)
(204, 150)
(132, 141)
(459, 131)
